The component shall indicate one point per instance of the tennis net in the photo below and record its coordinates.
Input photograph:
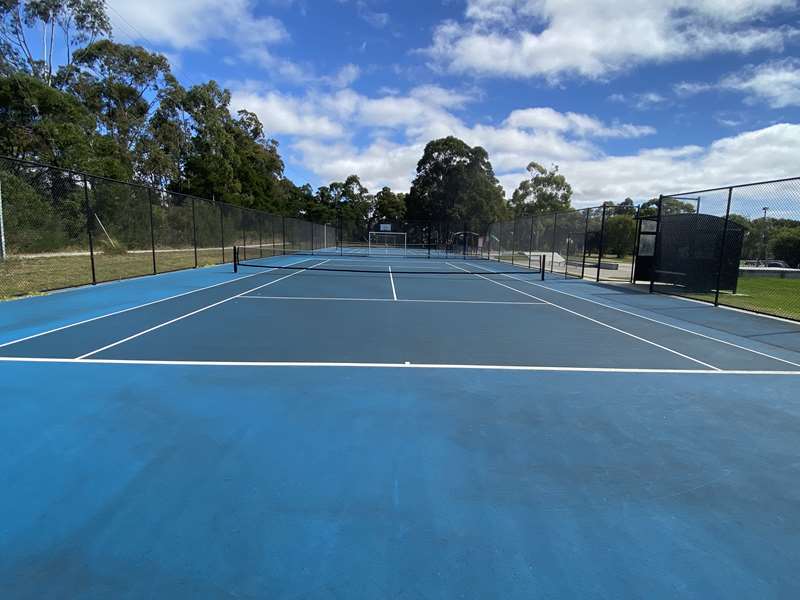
(366, 265)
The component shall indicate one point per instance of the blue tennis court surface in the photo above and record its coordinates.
(309, 433)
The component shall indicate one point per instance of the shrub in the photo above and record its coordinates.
(786, 246)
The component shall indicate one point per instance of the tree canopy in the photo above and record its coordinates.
(545, 191)
(455, 183)
(73, 97)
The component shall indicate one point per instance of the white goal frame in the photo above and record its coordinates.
(402, 241)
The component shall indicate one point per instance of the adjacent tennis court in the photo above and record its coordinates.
(395, 426)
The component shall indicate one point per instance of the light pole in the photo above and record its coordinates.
(764, 235)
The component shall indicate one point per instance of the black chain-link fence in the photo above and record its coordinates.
(737, 246)
(61, 228)
(592, 242)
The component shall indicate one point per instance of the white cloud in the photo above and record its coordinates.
(190, 24)
(775, 83)
(365, 12)
(763, 154)
(543, 119)
(346, 76)
(181, 25)
(595, 38)
(286, 115)
(381, 139)
(643, 101)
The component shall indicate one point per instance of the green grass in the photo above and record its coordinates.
(19, 277)
(771, 295)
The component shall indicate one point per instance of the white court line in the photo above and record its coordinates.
(420, 268)
(652, 320)
(419, 263)
(582, 316)
(355, 365)
(194, 312)
(423, 301)
(146, 304)
(391, 278)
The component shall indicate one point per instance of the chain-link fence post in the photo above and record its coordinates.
(553, 249)
(585, 243)
(530, 244)
(2, 226)
(222, 231)
(194, 232)
(602, 242)
(88, 207)
(724, 244)
(152, 228)
(657, 245)
(636, 240)
(513, 239)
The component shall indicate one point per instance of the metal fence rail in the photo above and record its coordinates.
(62, 228)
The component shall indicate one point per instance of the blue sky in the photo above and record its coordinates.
(628, 97)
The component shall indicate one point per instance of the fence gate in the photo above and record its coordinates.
(645, 254)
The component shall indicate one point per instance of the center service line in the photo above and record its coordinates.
(391, 278)
(194, 312)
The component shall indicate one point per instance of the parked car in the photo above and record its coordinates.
(774, 264)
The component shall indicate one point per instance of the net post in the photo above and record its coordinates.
(311, 223)
(542, 264)
(566, 260)
(194, 231)
(602, 242)
(499, 244)
(657, 245)
(152, 228)
(724, 243)
(89, 226)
